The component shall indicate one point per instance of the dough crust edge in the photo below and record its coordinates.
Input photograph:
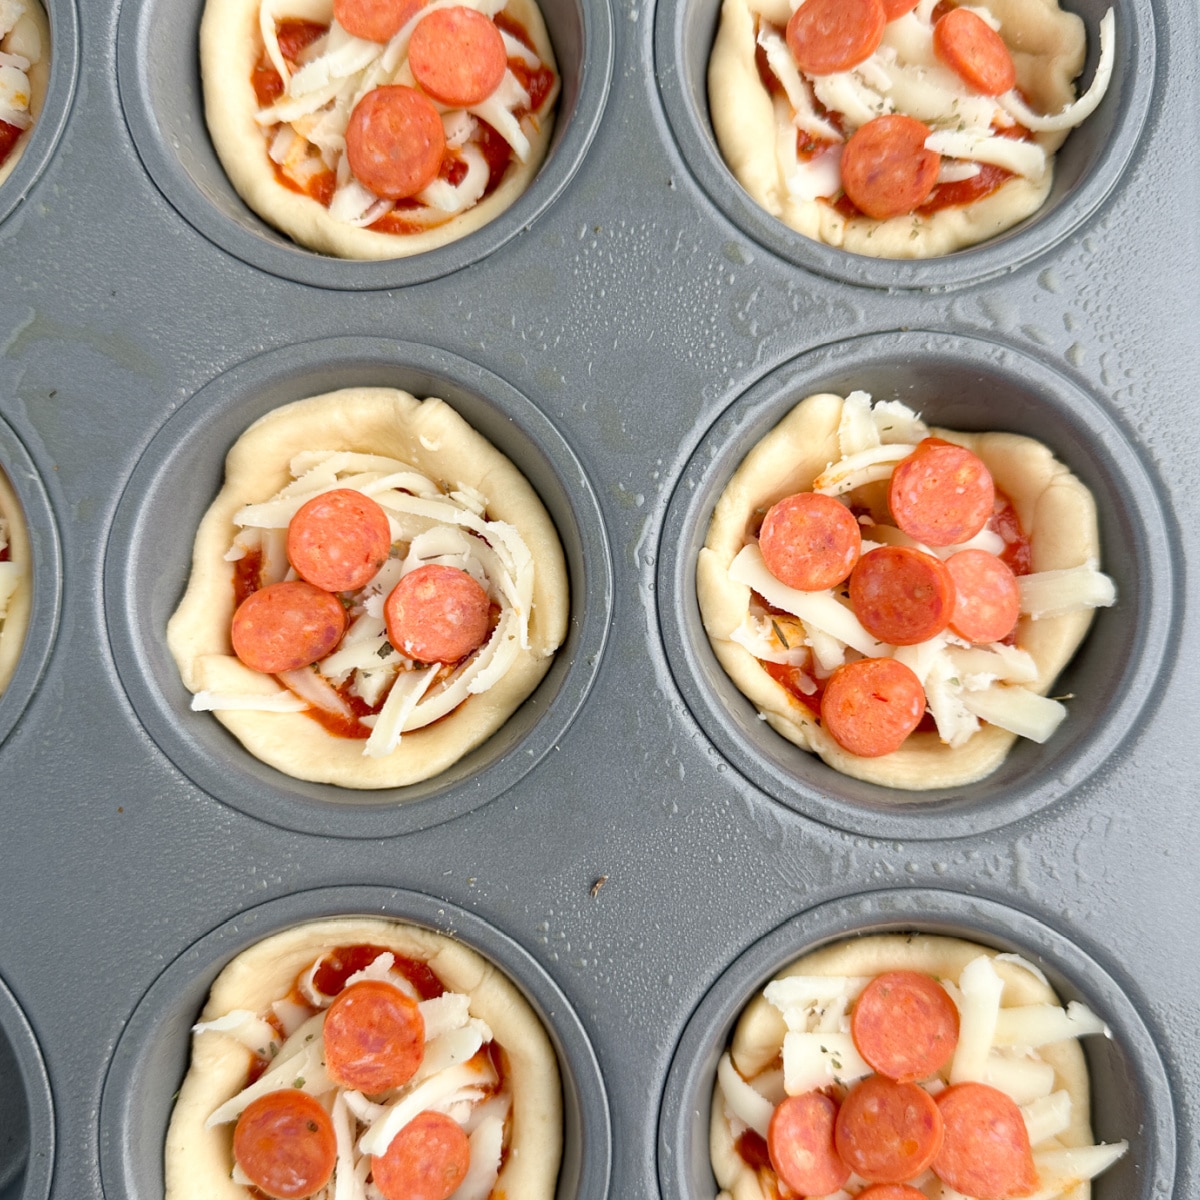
(381, 421)
(198, 1161)
(1056, 510)
(15, 624)
(39, 81)
(229, 42)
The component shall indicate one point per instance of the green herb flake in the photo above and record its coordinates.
(384, 650)
(779, 634)
(298, 1082)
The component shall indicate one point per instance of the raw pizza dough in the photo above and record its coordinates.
(14, 619)
(32, 29)
(230, 44)
(198, 1160)
(758, 1035)
(432, 437)
(1056, 512)
(1048, 48)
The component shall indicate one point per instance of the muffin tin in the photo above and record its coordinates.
(635, 848)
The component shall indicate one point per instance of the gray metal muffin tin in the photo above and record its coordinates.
(635, 848)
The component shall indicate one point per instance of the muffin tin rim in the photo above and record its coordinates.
(15, 1026)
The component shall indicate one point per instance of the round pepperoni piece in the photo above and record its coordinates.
(870, 706)
(437, 614)
(809, 541)
(426, 1160)
(800, 1145)
(987, 600)
(886, 169)
(905, 1025)
(286, 626)
(285, 1143)
(897, 8)
(374, 1037)
(395, 141)
(888, 1132)
(457, 55)
(901, 595)
(827, 36)
(375, 20)
(891, 1191)
(974, 51)
(986, 1150)
(339, 540)
(941, 494)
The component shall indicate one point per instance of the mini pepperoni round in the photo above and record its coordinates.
(395, 141)
(892, 9)
(941, 494)
(374, 1037)
(827, 36)
(285, 1143)
(339, 540)
(286, 626)
(870, 706)
(809, 541)
(902, 595)
(375, 20)
(905, 1025)
(800, 1145)
(886, 169)
(426, 1160)
(891, 1191)
(888, 1132)
(987, 600)
(986, 1152)
(437, 614)
(457, 55)
(974, 51)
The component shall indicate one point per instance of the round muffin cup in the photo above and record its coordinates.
(152, 1055)
(148, 562)
(1087, 168)
(46, 553)
(1131, 1098)
(963, 384)
(26, 1109)
(56, 108)
(159, 78)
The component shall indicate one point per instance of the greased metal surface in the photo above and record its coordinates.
(633, 838)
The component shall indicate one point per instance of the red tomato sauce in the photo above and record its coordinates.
(1017, 553)
(752, 1150)
(8, 139)
(339, 964)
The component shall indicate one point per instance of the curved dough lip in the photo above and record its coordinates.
(434, 438)
(1056, 512)
(198, 1161)
(1048, 51)
(15, 622)
(758, 1035)
(230, 43)
(39, 81)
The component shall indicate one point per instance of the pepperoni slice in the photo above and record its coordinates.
(285, 1143)
(886, 169)
(974, 51)
(437, 614)
(986, 1151)
(810, 541)
(395, 141)
(286, 626)
(886, 1131)
(426, 1160)
(897, 8)
(375, 20)
(902, 595)
(800, 1145)
(905, 1025)
(338, 540)
(891, 1191)
(987, 600)
(458, 56)
(941, 494)
(827, 36)
(374, 1037)
(870, 706)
